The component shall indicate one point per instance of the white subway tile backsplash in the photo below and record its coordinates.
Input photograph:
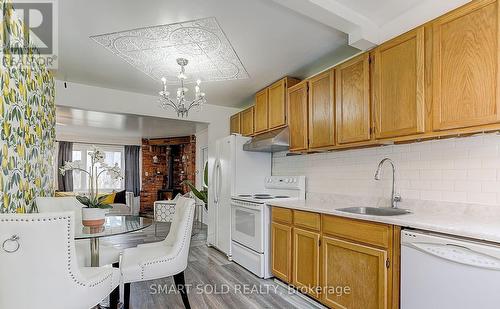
(481, 174)
(482, 198)
(491, 186)
(431, 174)
(467, 186)
(454, 170)
(430, 195)
(455, 174)
(457, 197)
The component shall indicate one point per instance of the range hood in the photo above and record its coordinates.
(273, 141)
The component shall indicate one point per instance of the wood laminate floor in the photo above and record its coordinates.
(214, 282)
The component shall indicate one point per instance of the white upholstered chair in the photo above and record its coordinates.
(38, 267)
(162, 259)
(107, 253)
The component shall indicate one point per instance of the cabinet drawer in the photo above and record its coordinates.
(376, 234)
(306, 219)
(281, 215)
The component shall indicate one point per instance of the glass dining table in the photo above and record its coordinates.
(114, 225)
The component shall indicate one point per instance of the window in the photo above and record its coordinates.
(112, 154)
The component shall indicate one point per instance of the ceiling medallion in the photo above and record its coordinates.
(154, 50)
(181, 105)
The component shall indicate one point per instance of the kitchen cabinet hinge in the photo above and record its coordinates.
(387, 263)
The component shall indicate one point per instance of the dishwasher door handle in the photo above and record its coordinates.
(457, 254)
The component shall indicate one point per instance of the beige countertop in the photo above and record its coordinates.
(472, 221)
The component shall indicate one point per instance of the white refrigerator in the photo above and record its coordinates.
(234, 172)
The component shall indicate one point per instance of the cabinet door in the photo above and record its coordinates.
(466, 67)
(353, 100)
(306, 261)
(277, 104)
(281, 251)
(360, 269)
(235, 124)
(297, 116)
(247, 121)
(261, 111)
(399, 86)
(321, 112)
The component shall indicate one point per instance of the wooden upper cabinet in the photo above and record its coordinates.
(235, 126)
(353, 120)
(261, 111)
(281, 252)
(247, 121)
(321, 111)
(306, 257)
(398, 86)
(297, 116)
(277, 104)
(359, 267)
(466, 67)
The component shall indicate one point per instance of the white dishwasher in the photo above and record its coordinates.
(441, 272)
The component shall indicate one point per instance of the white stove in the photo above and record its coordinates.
(251, 222)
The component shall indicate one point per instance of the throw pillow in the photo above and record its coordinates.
(110, 198)
(120, 197)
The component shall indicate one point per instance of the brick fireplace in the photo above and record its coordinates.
(166, 162)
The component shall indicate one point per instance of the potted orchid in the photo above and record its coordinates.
(95, 212)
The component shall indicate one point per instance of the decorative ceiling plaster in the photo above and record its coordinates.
(154, 50)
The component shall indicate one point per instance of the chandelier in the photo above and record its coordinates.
(180, 104)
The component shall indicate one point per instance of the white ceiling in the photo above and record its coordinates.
(270, 40)
(273, 38)
(81, 125)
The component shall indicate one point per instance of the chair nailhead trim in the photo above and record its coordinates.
(68, 251)
(143, 265)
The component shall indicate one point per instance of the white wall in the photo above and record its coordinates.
(117, 101)
(452, 170)
(201, 142)
(90, 136)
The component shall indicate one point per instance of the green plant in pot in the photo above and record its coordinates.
(95, 211)
(202, 195)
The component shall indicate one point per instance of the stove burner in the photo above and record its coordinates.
(281, 196)
(264, 197)
(244, 195)
(264, 194)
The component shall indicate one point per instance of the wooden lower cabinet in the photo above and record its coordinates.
(281, 252)
(343, 263)
(354, 276)
(306, 261)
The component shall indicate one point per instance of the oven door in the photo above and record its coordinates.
(247, 224)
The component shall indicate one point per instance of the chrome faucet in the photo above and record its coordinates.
(395, 198)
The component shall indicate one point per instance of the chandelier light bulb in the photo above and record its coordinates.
(180, 104)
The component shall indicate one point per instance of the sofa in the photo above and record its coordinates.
(131, 207)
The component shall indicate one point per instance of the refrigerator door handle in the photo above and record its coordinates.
(219, 176)
(216, 199)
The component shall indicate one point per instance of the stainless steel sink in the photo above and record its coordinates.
(375, 211)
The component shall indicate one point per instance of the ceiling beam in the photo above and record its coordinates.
(362, 32)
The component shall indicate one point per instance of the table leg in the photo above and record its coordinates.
(94, 252)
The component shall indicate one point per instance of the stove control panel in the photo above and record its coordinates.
(286, 182)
